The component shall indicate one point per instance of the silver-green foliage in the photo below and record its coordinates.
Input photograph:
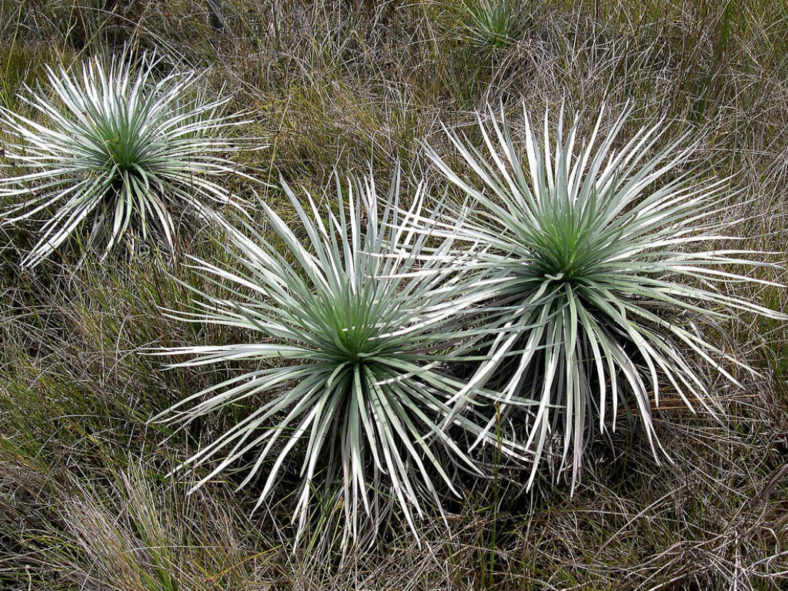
(493, 23)
(599, 260)
(115, 148)
(350, 325)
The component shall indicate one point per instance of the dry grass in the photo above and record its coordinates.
(84, 501)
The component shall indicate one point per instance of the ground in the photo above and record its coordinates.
(86, 499)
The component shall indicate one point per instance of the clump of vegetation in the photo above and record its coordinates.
(116, 150)
(352, 330)
(593, 289)
(494, 23)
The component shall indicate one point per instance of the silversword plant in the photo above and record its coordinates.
(600, 265)
(116, 150)
(351, 330)
(494, 23)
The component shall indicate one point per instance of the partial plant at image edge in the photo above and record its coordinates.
(352, 330)
(115, 150)
(593, 280)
